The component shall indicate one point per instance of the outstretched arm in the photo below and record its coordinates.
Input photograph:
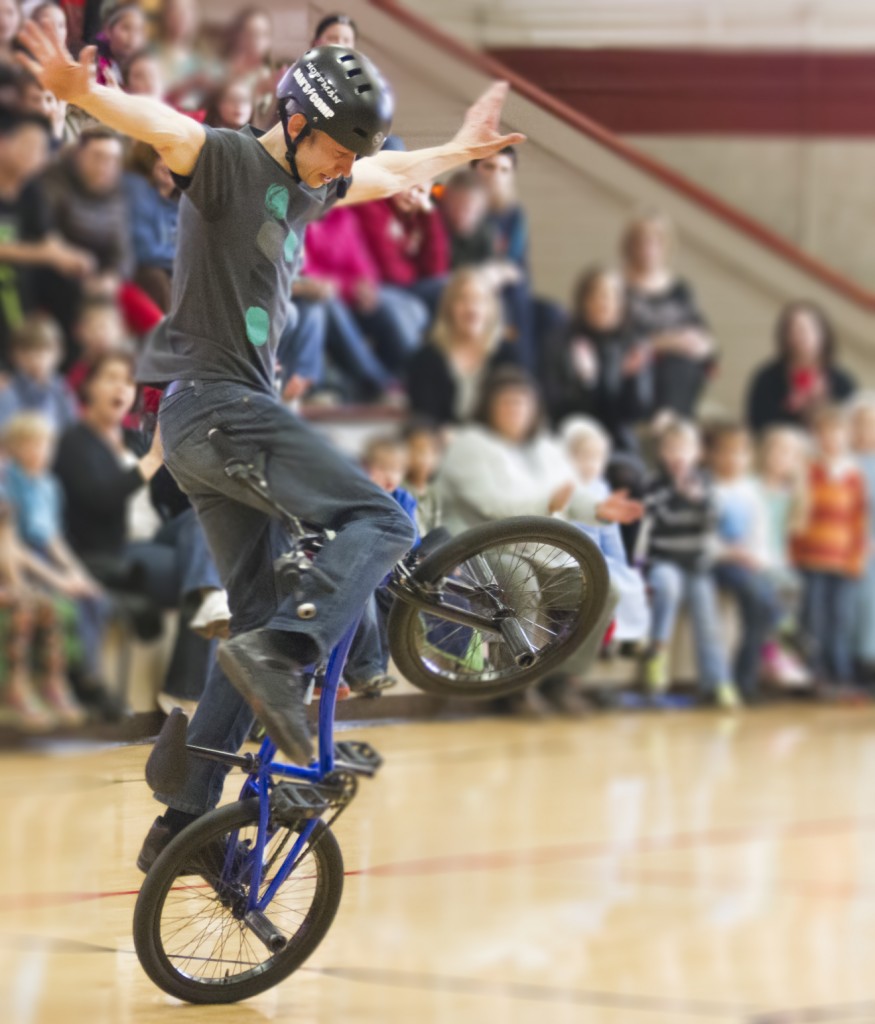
(179, 139)
(386, 173)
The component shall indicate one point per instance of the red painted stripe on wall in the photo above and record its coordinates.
(684, 92)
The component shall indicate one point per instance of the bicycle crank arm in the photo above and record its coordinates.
(265, 930)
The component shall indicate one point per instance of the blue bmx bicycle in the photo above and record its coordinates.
(241, 897)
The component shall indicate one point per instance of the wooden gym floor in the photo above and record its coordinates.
(625, 869)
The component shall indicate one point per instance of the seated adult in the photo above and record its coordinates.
(116, 531)
(663, 308)
(86, 201)
(598, 366)
(153, 202)
(802, 376)
(231, 105)
(336, 250)
(444, 376)
(530, 317)
(502, 464)
(407, 242)
(35, 264)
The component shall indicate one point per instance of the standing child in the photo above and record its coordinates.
(863, 431)
(588, 446)
(678, 539)
(742, 567)
(830, 547)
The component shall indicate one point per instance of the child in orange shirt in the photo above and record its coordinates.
(830, 547)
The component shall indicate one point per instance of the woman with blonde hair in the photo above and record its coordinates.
(662, 308)
(445, 374)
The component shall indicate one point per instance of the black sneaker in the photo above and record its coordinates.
(272, 686)
(207, 863)
(158, 836)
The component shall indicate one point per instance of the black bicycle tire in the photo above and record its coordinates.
(165, 870)
(403, 615)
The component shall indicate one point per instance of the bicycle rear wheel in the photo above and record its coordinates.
(545, 574)
(188, 929)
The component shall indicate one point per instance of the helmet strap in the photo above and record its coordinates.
(292, 144)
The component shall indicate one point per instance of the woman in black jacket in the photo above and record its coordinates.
(600, 366)
(803, 376)
(113, 526)
(444, 375)
(663, 308)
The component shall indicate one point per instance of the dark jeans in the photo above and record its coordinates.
(760, 613)
(301, 348)
(176, 565)
(313, 480)
(170, 570)
(828, 624)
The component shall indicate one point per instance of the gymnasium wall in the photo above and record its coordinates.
(747, 24)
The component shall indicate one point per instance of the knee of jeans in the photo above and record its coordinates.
(666, 581)
(404, 529)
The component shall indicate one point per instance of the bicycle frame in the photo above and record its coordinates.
(260, 781)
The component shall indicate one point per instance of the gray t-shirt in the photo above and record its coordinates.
(241, 224)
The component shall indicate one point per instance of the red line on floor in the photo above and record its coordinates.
(502, 859)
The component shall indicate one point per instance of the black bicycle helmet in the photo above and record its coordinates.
(341, 93)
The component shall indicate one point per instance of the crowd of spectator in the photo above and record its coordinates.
(423, 303)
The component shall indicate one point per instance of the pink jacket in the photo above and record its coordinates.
(335, 248)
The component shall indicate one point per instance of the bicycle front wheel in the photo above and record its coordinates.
(189, 931)
(544, 575)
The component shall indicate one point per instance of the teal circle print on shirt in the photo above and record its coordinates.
(257, 325)
(290, 247)
(276, 200)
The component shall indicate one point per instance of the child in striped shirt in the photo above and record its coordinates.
(830, 547)
(678, 540)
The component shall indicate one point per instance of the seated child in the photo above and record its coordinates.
(35, 352)
(98, 328)
(424, 445)
(385, 462)
(677, 541)
(34, 691)
(589, 447)
(742, 565)
(863, 435)
(830, 548)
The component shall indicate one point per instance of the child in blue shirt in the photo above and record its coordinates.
(385, 461)
(35, 497)
(35, 352)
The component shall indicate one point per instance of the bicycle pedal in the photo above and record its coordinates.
(356, 756)
(293, 801)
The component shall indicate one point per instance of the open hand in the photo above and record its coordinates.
(53, 66)
(561, 498)
(479, 135)
(619, 508)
